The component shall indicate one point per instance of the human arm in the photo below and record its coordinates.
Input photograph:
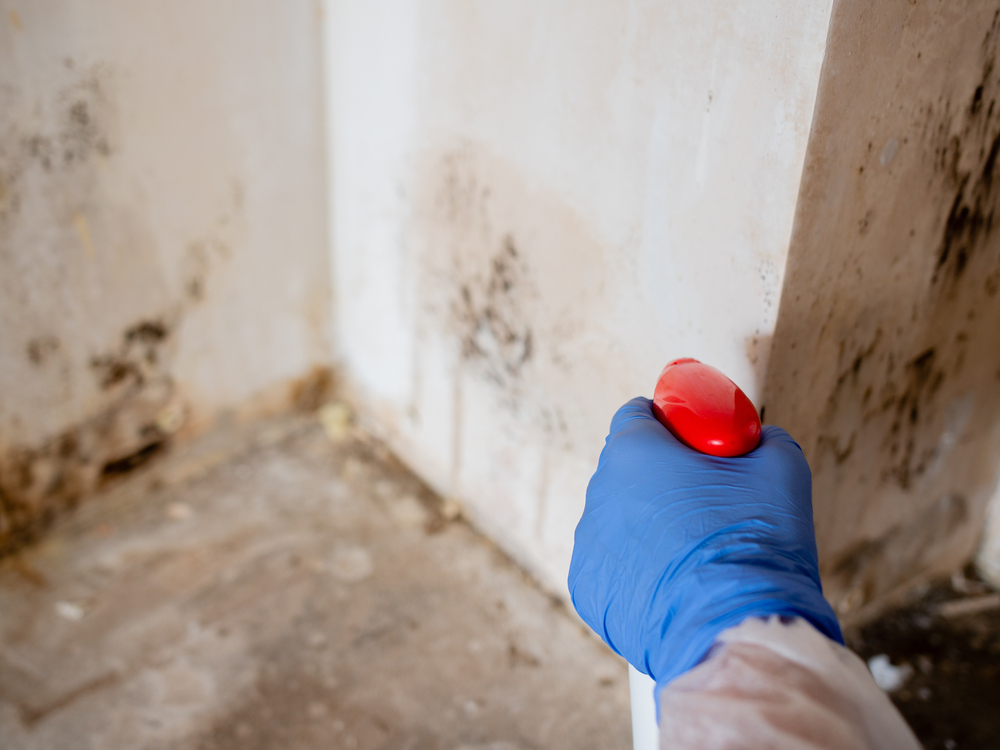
(676, 548)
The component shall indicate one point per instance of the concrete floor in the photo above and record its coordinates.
(947, 639)
(275, 589)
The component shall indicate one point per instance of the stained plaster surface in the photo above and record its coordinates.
(536, 207)
(886, 356)
(162, 229)
(270, 589)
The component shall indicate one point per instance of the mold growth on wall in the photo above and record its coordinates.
(887, 342)
(75, 128)
(76, 260)
(143, 410)
(52, 153)
(140, 285)
(489, 297)
(496, 335)
(114, 407)
(494, 276)
(897, 379)
(510, 286)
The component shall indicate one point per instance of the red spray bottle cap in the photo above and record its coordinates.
(705, 410)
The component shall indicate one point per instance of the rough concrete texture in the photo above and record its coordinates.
(886, 358)
(162, 231)
(274, 589)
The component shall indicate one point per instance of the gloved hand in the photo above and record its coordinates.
(676, 546)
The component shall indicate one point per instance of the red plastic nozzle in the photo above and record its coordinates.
(705, 410)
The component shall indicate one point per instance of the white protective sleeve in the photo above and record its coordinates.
(781, 686)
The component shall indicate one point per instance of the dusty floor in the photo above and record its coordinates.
(277, 590)
(947, 639)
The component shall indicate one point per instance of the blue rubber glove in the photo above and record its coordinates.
(675, 546)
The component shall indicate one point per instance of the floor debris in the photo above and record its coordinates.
(950, 636)
(888, 677)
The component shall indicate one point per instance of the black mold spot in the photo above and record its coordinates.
(76, 126)
(488, 313)
(113, 370)
(977, 101)
(83, 134)
(970, 219)
(902, 399)
(136, 355)
(147, 331)
(923, 380)
(195, 289)
(78, 114)
(865, 222)
(39, 148)
(39, 350)
(132, 461)
(855, 368)
(196, 264)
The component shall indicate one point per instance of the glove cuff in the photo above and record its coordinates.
(725, 596)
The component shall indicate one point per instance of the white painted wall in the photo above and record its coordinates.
(535, 206)
(161, 164)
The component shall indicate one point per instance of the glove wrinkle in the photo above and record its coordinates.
(675, 546)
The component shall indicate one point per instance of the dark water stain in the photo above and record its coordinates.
(81, 132)
(891, 301)
(38, 483)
